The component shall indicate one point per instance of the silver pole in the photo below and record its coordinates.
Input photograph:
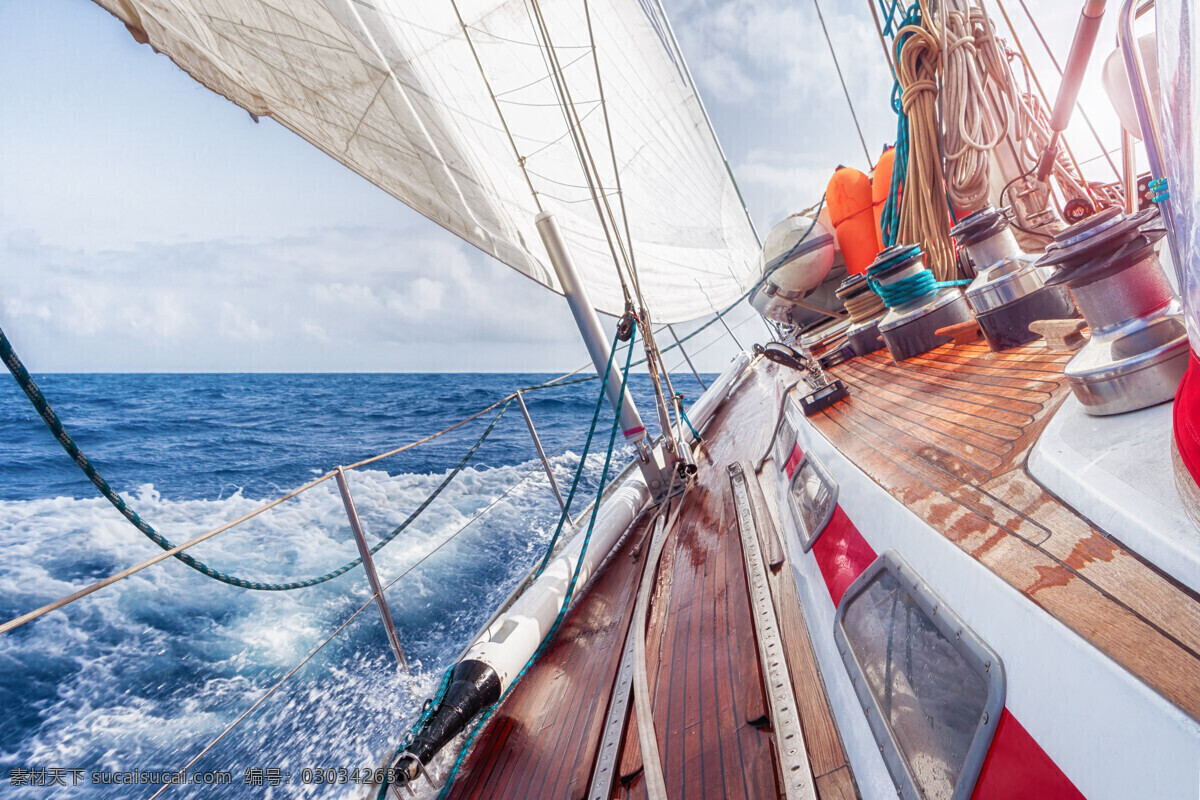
(589, 325)
(686, 358)
(1141, 92)
(1129, 171)
(542, 455)
(369, 565)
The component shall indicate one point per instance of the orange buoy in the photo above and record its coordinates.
(849, 199)
(881, 184)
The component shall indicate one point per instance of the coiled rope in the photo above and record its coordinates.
(924, 215)
(34, 393)
(973, 128)
(911, 288)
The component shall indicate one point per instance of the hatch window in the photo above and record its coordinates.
(932, 690)
(813, 493)
(785, 442)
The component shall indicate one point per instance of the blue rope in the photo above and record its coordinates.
(889, 221)
(487, 713)
(1159, 191)
(683, 413)
(911, 288)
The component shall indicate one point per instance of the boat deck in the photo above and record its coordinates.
(947, 433)
(710, 710)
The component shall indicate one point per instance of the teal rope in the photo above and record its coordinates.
(683, 413)
(911, 288)
(27, 384)
(431, 705)
(890, 217)
(565, 516)
(487, 713)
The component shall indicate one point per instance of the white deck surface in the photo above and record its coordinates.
(1116, 471)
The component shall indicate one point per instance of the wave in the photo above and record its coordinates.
(144, 673)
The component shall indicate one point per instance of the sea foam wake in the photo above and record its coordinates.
(139, 677)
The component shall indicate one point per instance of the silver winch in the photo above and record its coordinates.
(866, 309)
(1009, 291)
(918, 306)
(1138, 349)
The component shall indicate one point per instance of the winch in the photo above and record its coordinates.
(1138, 349)
(1008, 291)
(866, 309)
(917, 304)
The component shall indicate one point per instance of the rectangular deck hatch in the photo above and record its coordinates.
(931, 689)
(813, 493)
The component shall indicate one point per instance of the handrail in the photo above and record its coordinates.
(1136, 72)
(266, 695)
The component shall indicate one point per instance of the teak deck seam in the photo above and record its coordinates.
(999, 515)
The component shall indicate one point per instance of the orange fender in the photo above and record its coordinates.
(848, 197)
(881, 184)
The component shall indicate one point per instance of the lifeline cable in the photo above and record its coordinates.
(30, 387)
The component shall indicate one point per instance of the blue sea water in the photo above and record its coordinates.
(141, 675)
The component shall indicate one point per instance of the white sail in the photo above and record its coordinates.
(392, 89)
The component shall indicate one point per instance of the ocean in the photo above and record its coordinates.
(111, 695)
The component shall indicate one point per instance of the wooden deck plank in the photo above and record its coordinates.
(702, 659)
(1007, 522)
(821, 738)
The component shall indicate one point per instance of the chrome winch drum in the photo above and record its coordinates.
(866, 309)
(1138, 349)
(917, 306)
(1009, 291)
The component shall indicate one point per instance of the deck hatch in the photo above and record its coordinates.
(813, 493)
(931, 689)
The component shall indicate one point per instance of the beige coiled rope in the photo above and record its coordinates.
(924, 216)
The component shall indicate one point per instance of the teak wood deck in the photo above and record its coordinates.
(947, 433)
(710, 711)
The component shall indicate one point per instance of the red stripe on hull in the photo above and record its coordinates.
(793, 461)
(842, 554)
(1017, 767)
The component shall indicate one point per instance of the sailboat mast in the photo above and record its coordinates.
(589, 326)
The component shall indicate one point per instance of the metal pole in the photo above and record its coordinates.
(369, 565)
(542, 455)
(589, 325)
(691, 366)
(1129, 171)
(1150, 133)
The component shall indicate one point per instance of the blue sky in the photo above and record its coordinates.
(149, 225)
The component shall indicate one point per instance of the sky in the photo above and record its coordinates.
(149, 225)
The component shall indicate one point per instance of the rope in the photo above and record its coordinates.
(924, 216)
(972, 130)
(487, 713)
(30, 387)
(911, 288)
(565, 516)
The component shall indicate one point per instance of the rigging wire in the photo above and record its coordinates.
(845, 91)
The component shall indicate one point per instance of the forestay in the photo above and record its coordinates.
(390, 88)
